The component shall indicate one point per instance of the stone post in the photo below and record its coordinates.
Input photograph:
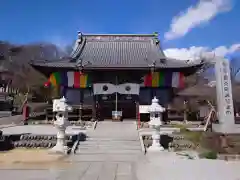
(224, 97)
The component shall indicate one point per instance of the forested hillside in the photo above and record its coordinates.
(16, 58)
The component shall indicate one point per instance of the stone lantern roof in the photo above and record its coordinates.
(155, 106)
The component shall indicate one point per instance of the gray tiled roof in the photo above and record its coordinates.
(118, 51)
(66, 63)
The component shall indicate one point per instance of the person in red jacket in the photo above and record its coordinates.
(25, 113)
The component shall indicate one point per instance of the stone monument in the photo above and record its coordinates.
(61, 108)
(155, 111)
(224, 98)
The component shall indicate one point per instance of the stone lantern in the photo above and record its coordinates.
(61, 108)
(155, 111)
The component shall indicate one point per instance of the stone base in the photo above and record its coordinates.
(220, 128)
(155, 148)
(59, 149)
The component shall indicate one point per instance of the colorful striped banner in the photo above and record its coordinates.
(70, 76)
(178, 80)
(164, 79)
(70, 79)
(76, 79)
(80, 80)
(54, 79)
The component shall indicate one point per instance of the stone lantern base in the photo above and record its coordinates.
(59, 149)
(61, 145)
(156, 146)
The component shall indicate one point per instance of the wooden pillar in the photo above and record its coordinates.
(185, 111)
(94, 109)
(80, 111)
(63, 90)
(95, 99)
(138, 120)
(100, 110)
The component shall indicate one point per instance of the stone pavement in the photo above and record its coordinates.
(10, 121)
(78, 171)
(110, 153)
(169, 166)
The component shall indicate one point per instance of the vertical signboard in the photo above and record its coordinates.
(224, 93)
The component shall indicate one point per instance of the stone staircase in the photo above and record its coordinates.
(110, 146)
(110, 142)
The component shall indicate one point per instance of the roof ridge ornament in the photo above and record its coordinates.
(155, 34)
(80, 37)
(163, 60)
(79, 34)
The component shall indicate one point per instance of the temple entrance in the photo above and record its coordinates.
(125, 104)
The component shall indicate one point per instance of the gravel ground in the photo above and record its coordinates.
(25, 158)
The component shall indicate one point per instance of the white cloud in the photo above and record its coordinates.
(194, 52)
(203, 12)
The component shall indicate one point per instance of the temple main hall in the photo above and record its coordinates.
(116, 73)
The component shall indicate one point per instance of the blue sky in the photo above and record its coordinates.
(209, 26)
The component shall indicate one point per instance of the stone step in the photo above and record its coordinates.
(90, 138)
(111, 147)
(134, 143)
(107, 151)
(115, 139)
(110, 143)
(79, 157)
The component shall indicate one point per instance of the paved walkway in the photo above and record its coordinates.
(10, 121)
(110, 153)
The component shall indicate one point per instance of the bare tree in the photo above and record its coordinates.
(15, 59)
